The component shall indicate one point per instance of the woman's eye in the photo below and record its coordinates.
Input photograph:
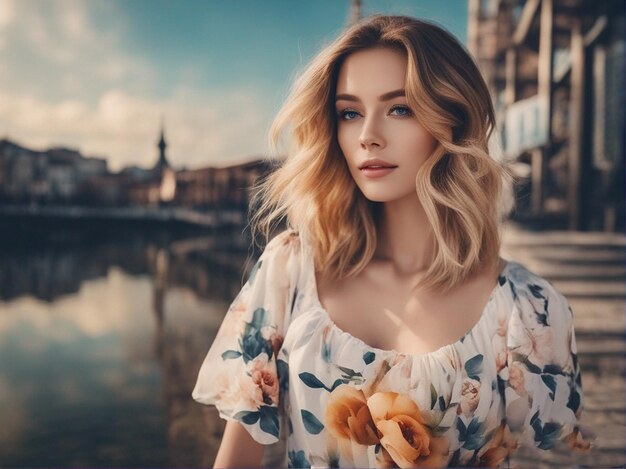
(343, 114)
(404, 111)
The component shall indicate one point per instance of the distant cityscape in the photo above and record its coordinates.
(62, 176)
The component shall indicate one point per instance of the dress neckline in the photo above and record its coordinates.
(364, 345)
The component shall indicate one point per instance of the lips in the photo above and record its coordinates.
(375, 163)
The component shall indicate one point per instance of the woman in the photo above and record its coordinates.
(382, 329)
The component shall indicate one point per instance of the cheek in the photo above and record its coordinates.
(422, 144)
(345, 140)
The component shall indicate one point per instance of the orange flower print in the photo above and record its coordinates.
(469, 397)
(516, 378)
(348, 417)
(577, 443)
(499, 345)
(404, 434)
(502, 445)
(234, 322)
(276, 342)
(384, 459)
(265, 379)
(535, 342)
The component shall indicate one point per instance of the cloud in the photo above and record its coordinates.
(77, 46)
(70, 81)
(65, 31)
(7, 17)
(202, 128)
(7, 13)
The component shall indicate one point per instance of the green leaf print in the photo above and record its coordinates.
(442, 403)
(369, 357)
(349, 372)
(530, 366)
(553, 370)
(252, 344)
(433, 396)
(574, 400)
(534, 418)
(536, 291)
(258, 318)
(545, 435)
(474, 367)
(325, 352)
(439, 431)
(311, 423)
(474, 436)
(471, 436)
(269, 420)
(282, 368)
(254, 270)
(338, 382)
(293, 298)
(229, 354)
(460, 426)
(298, 459)
(551, 383)
(311, 380)
(551, 431)
(454, 460)
(247, 417)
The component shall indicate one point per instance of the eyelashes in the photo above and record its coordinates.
(346, 112)
(343, 115)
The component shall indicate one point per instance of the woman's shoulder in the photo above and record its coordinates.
(289, 235)
(527, 284)
(541, 309)
(280, 259)
(285, 243)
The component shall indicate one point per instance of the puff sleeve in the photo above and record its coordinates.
(241, 374)
(543, 391)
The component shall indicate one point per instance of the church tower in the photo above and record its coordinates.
(355, 12)
(162, 163)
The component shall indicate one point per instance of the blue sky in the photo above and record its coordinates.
(97, 75)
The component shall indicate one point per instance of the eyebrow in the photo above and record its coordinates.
(383, 97)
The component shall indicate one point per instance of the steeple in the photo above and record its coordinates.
(162, 162)
(355, 12)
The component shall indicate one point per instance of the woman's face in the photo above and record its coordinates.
(374, 121)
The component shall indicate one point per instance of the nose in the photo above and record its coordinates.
(371, 135)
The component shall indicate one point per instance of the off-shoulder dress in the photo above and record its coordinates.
(282, 368)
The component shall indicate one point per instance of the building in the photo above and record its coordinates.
(556, 73)
(219, 188)
(51, 176)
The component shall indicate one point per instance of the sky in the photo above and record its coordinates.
(99, 76)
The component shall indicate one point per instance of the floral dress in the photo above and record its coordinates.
(282, 368)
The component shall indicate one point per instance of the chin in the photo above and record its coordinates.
(387, 196)
(380, 197)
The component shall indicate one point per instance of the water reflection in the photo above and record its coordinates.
(100, 343)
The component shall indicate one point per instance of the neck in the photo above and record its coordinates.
(405, 236)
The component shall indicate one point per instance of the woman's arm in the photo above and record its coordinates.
(238, 448)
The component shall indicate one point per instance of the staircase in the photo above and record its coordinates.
(589, 269)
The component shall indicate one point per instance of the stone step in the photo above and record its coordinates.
(602, 367)
(568, 254)
(598, 316)
(514, 235)
(555, 270)
(607, 346)
(597, 289)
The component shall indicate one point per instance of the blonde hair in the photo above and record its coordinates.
(459, 185)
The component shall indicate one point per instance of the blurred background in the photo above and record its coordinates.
(130, 133)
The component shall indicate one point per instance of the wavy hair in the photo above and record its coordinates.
(460, 185)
